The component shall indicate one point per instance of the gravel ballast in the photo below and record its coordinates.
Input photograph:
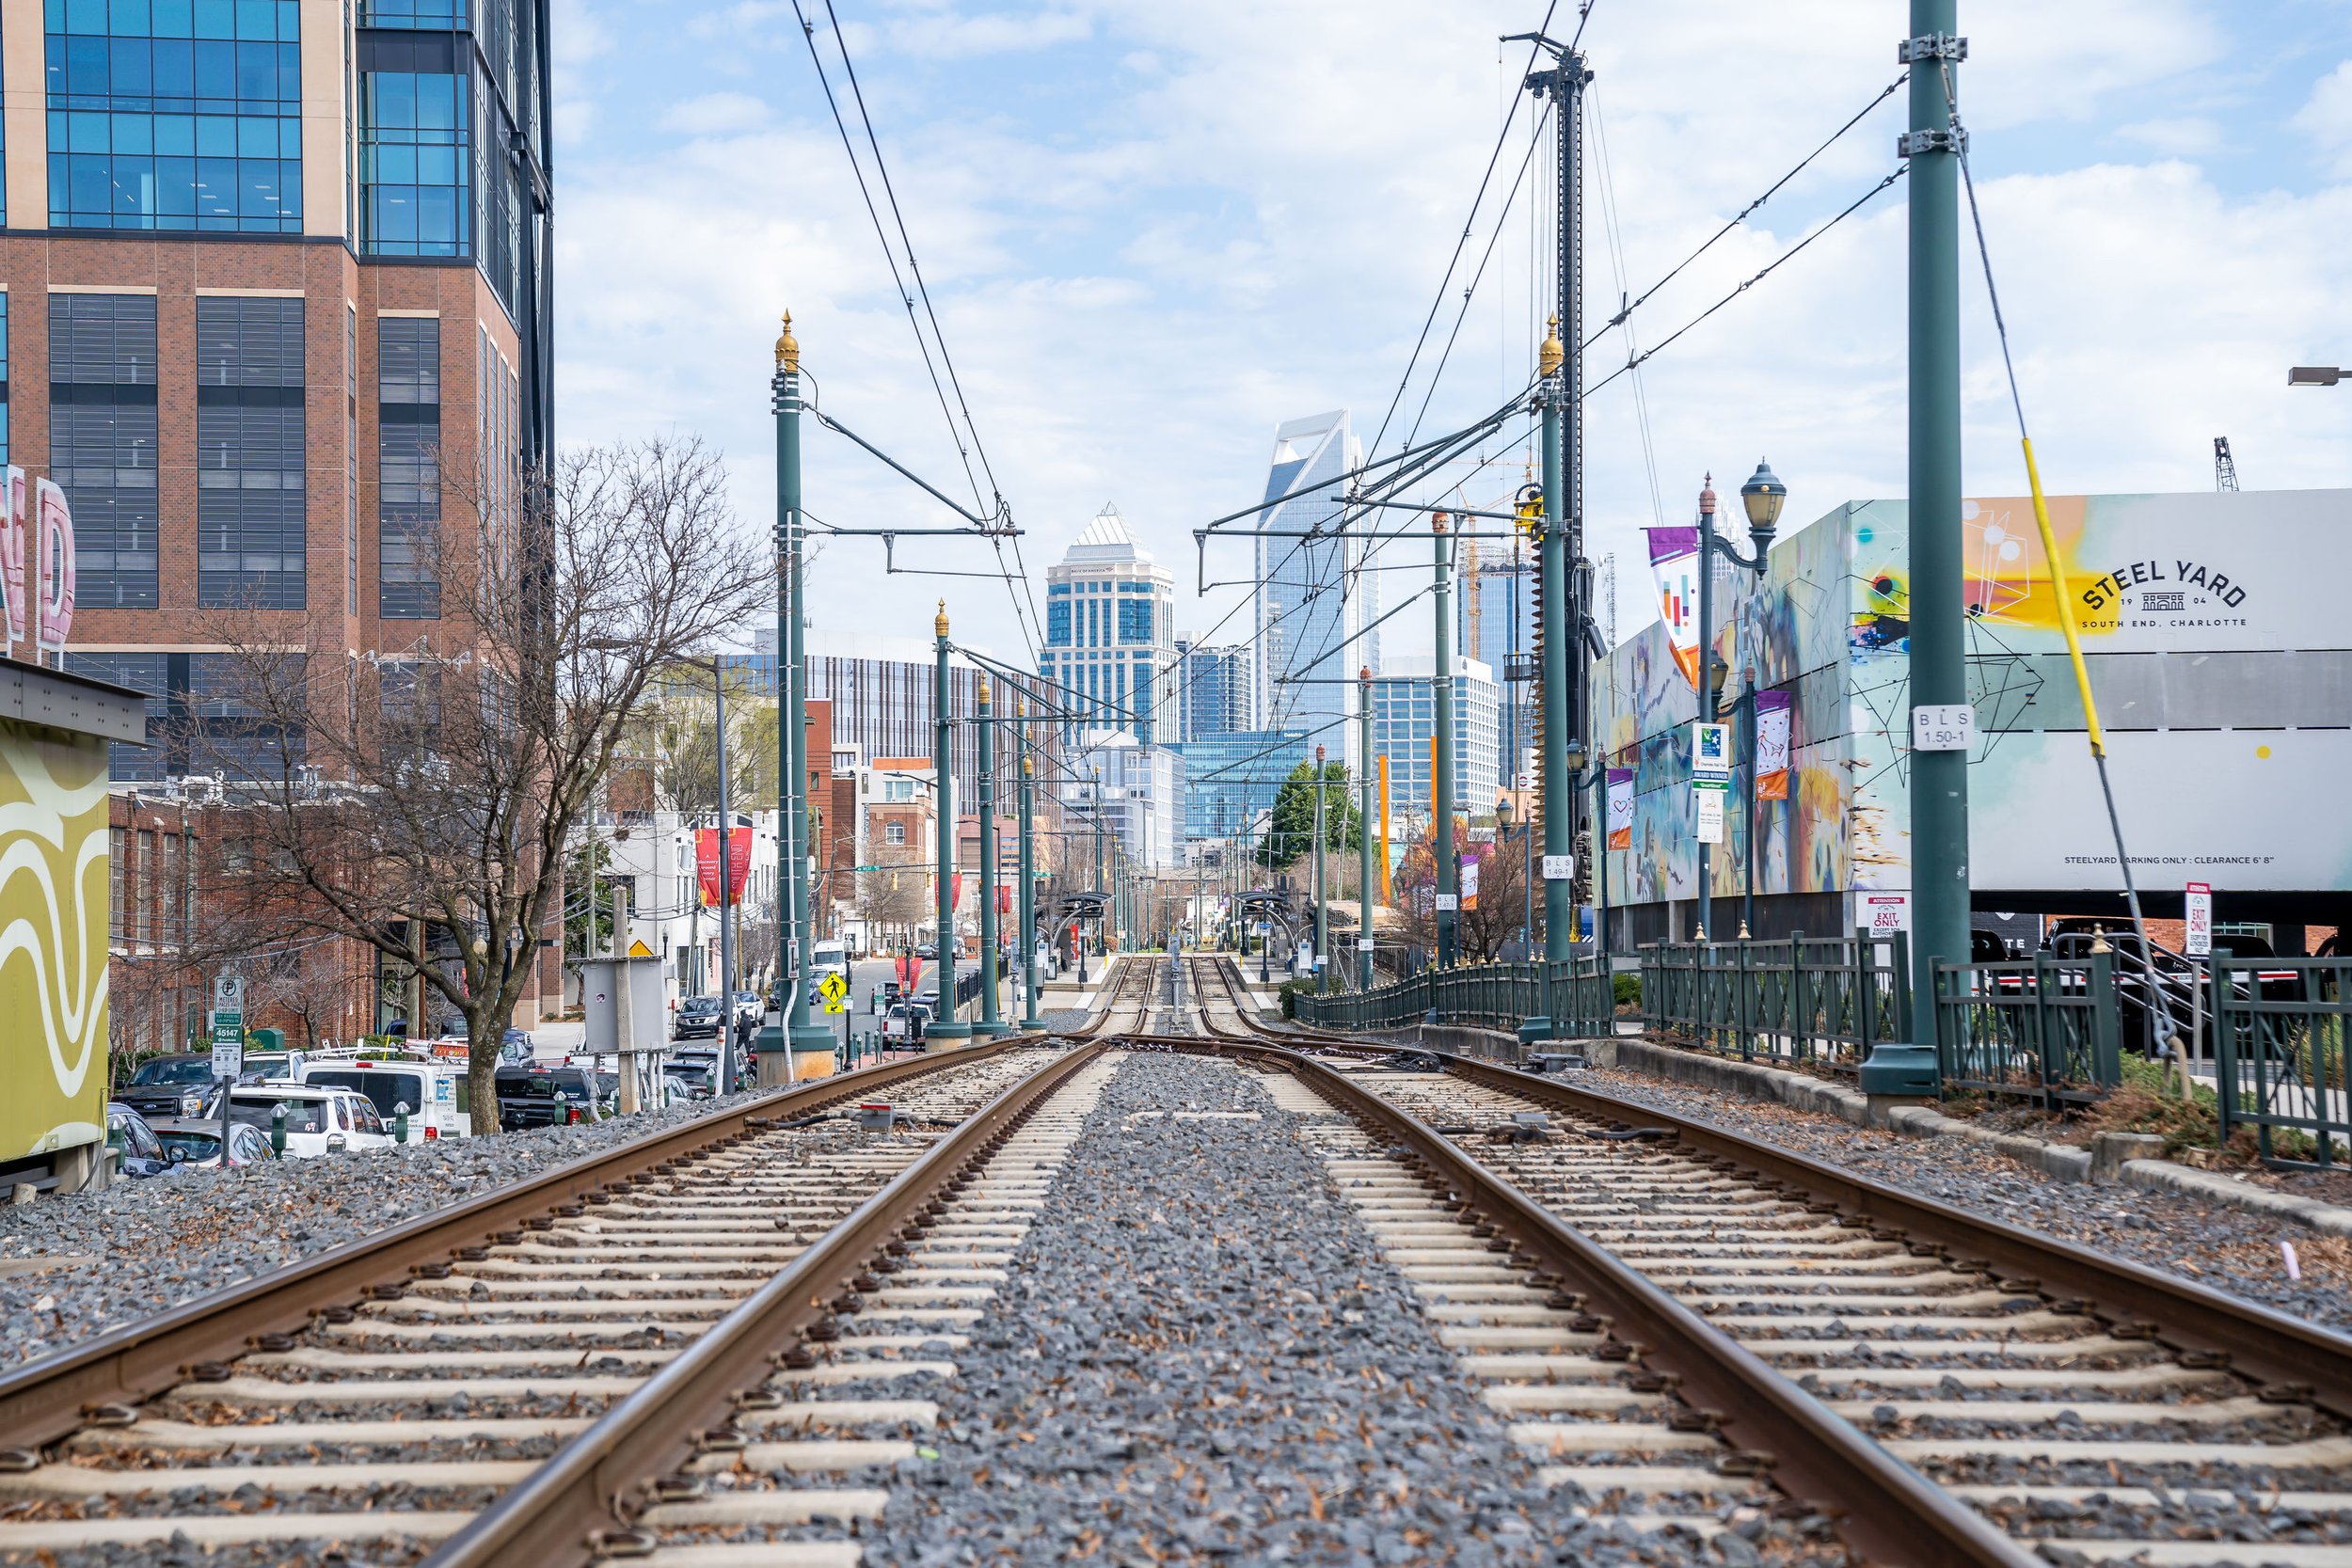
(1199, 1358)
(2210, 1243)
(142, 1246)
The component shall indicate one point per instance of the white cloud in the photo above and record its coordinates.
(2185, 135)
(716, 114)
(1145, 261)
(2327, 115)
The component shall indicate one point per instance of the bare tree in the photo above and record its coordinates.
(895, 895)
(421, 799)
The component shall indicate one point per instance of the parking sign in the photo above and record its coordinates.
(2198, 938)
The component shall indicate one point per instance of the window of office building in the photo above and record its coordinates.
(408, 467)
(175, 113)
(413, 152)
(102, 441)
(894, 832)
(438, 15)
(147, 674)
(249, 547)
(238, 742)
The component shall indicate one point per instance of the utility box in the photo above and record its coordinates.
(266, 1039)
(600, 981)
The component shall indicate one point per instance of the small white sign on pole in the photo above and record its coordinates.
(1943, 727)
(1711, 815)
(1710, 749)
(1559, 868)
(1447, 903)
(2197, 941)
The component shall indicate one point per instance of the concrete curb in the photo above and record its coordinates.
(1806, 1093)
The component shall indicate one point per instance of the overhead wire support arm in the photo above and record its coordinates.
(1001, 524)
(1473, 432)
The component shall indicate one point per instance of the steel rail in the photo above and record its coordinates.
(604, 1472)
(1885, 1509)
(46, 1401)
(2139, 1300)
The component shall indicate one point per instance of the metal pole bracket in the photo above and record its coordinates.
(1931, 46)
(1912, 142)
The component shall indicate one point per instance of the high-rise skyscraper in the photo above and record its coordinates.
(275, 308)
(1214, 688)
(1494, 617)
(1110, 642)
(1312, 599)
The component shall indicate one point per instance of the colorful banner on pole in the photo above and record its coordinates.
(1674, 560)
(1772, 745)
(1469, 882)
(707, 862)
(1621, 808)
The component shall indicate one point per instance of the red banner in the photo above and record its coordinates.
(1003, 900)
(706, 863)
(955, 891)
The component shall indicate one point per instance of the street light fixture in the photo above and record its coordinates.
(1761, 498)
(2315, 376)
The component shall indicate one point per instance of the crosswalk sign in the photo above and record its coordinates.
(834, 1005)
(832, 988)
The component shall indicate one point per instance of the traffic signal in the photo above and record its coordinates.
(1581, 885)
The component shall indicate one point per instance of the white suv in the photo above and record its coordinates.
(319, 1121)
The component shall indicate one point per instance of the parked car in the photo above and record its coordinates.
(706, 1060)
(518, 1046)
(927, 950)
(438, 1094)
(696, 1015)
(139, 1151)
(905, 1023)
(688, 1081)
(190, 1144)
(554, 1096)
(319, 1120)
(748, 1007)
(174, 1085)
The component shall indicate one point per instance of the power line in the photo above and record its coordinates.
(1635, 361)
(1741, 216)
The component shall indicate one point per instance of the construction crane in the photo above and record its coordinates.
(2224, 465)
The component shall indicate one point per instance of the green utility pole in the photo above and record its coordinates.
(1322, 907)
(942, 764)
(1560, 566)
(1442, 764)
(1939, 671)
(804, 1038)
(1029, 1019)
(1363, 828)
(1707, 693)
(989, 1024)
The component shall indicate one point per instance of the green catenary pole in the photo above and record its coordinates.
(791, 700)
(943, 773)
(1029, 1019)
(1364, 884)
(1939, 674)
(1441, 763)
(989, 1024)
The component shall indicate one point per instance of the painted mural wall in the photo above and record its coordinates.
(54, 911)
(2219, 658)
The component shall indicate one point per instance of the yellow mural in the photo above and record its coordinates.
(53, 911)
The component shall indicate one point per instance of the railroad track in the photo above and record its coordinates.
(1962, 1390)
(550, 1374)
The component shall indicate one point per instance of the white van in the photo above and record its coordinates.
(439, 1097)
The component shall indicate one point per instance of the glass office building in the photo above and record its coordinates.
(1110, 646)
(1230, 780)
(1405, 730)
(1311, 598)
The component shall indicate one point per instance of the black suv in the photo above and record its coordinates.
(163, 1082)
(697, 1014)
(550, 1097)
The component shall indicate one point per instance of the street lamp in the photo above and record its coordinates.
(1503, 812)
(1761, 498)
(2315, 376)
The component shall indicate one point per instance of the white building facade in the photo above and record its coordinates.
(1110, 638)
(1139, 791)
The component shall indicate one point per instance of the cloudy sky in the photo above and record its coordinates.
(1152, 231)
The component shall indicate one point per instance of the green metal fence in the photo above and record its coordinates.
(2042, 1029)
(1575, 995)
(1817, 1001)
(2277, 1037)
